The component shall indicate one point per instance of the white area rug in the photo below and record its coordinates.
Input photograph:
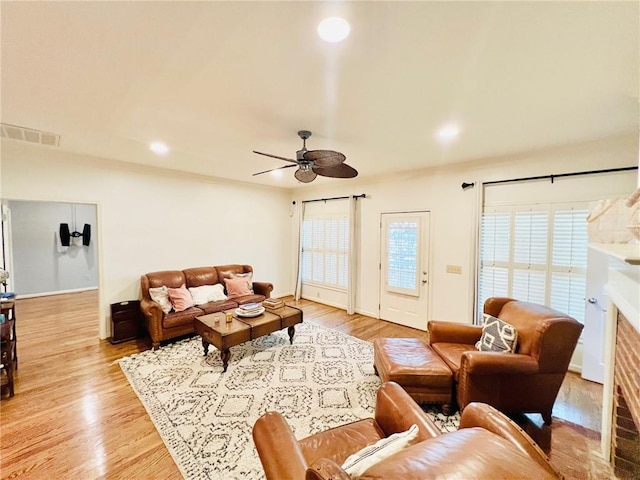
(205, 417)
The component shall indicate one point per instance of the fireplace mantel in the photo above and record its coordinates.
(623, 292)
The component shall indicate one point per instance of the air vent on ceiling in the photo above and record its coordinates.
(14, 132)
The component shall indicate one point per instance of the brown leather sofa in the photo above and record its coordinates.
(164, 326)
(486, 445)
(526, 381)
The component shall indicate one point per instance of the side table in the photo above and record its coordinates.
(8, 307)
(7, 352)
(126, 321)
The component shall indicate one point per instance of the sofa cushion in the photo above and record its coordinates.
(160, 295)
(356, 464)
(497, 336)
(451, 353)
(170, 278)
(219, 306)
(338, 443)
(253, 298)
(207, 293)
(180, 298)
(199, 276)
(178, 319)
(466, 453)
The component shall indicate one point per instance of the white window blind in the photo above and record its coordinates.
(325, 250)
(535, 253)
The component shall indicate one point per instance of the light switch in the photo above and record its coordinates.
(454, 269)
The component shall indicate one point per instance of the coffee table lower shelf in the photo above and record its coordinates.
(215, 331)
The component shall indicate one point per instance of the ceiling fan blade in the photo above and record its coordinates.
(274, 169)
(339, 171)
(324, 158)
(276, 156)
(305, 176)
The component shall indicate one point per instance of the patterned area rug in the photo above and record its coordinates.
(205, 417)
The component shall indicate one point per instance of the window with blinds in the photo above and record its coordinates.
(536, 253)
(325, 250)
(402, 256)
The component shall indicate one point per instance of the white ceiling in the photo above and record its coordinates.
(216, 80)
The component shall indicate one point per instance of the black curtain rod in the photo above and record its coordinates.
(364, 195)
(560, 175)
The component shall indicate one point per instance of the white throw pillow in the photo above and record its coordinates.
(160, 295)
(359, 462)
(207, 293)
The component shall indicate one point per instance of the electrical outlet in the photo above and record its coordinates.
(454, 269)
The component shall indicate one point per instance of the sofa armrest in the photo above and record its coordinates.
(263, 288)
(449, 332)
(278, 449)
(396, 411)
(153, 315)
(497, 363)
(485, 416)
(326, 469)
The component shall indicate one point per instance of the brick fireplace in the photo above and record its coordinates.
(625, 439)
(620, 437)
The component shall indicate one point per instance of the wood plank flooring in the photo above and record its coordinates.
(74, 414)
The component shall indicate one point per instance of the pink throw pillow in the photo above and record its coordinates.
(238, 286)
(180, 298)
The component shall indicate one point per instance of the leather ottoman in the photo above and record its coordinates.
(412, 364)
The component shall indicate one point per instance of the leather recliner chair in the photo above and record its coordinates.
(487, 445)
(526, 381)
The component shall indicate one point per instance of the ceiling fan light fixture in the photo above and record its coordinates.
(333, 29)
(304, 174)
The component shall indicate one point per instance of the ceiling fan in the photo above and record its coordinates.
(312, 163)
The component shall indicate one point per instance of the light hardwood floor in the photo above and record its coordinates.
(74, 414)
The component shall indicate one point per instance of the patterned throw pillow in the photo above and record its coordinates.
(497, 336)
(355, 465)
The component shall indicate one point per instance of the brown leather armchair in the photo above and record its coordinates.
(487, 445)
(526, 381)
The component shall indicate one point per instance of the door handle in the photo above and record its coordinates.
(593, 300)
(424, 281)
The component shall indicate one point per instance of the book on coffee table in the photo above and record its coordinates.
(272, 303)
(250, 307)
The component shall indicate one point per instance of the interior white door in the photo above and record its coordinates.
(404, 265)
(595, 317)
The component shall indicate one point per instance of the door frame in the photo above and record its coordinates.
(428, 258)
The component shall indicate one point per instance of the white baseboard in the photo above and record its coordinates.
(57, 292)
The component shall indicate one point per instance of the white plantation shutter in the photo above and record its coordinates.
(325, 250)
(569, 262)
(495, 240)
(535, 253)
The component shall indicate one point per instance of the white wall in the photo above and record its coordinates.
(40, 264)
(151, 219)
(454, 212)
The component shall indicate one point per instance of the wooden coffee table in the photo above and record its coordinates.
(215, 331)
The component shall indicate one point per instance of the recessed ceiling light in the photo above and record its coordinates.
(159, 148)
(448, 132)
(333, 29)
